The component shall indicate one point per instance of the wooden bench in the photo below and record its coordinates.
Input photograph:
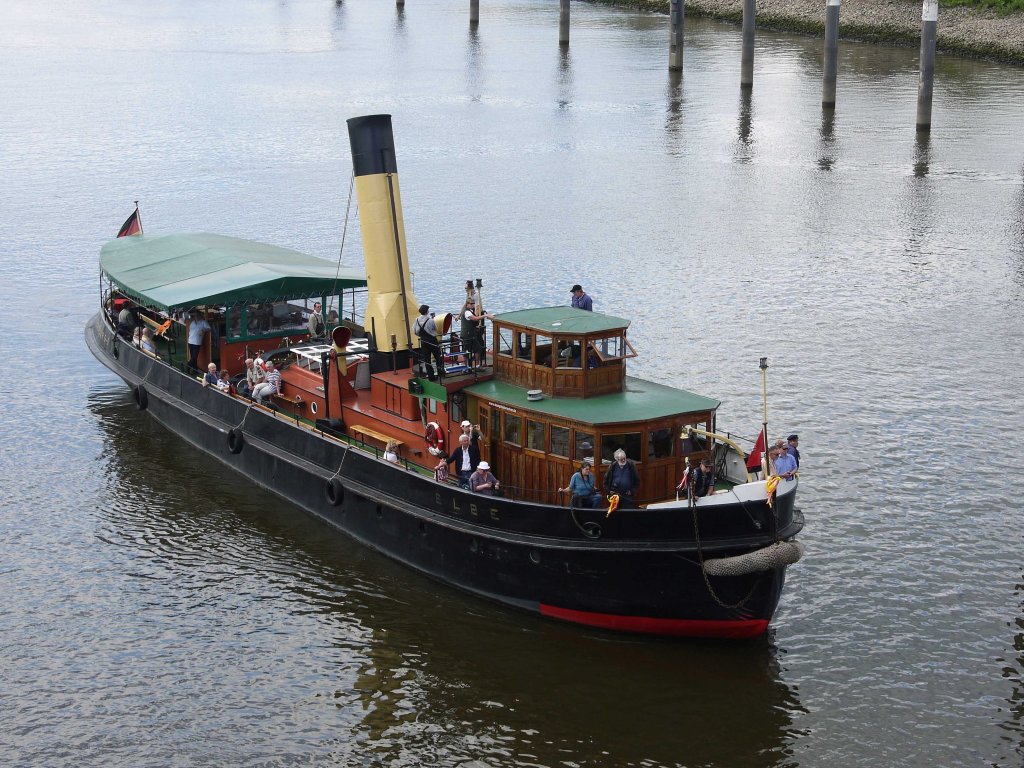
(290, 399)
(358, 430)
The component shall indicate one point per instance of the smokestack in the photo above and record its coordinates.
(391, 306)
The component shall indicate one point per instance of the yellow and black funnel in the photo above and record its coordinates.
(391, 306)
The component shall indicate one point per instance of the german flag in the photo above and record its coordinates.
(132, 225)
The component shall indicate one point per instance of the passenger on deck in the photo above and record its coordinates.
(137, 338)
(224, 383)
(466, 458)
(473, 333)
(270, 386)
(426, 329)
(253, 376)
(794, 451)
(482, 481)
(580, 299)
(148, 345)
(785, 465)
(210, 378)
(622, 478)
(473, 431)
(704, 479)
(317, 328)
(197, 329)
(581, 485)
(391, 451)
(125, 322)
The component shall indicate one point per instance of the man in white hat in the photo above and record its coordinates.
(482, 481)
(472, 431)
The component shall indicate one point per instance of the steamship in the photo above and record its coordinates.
(551, 392)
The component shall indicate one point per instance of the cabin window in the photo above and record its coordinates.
(612, 348)
(584, 446)
(569, 354)
(558, 444)
(233, 319)
(695, 443)
(535, 435)
(659, 443)
(513, 427)
(630, 442)
(524, 346)
(543, 351)
(485, 426)
(505, 341)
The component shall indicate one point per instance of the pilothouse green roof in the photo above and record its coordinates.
(181, 271)
(558, 320)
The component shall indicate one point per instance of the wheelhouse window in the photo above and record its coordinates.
(630, 442)
(505, 341)
(524, 346)
(612, 348)
(569, 353)
(659, 443)
(558, 441)
(695, 443)
(535, 435)
(543, 351)
(513, 427)
(584, 446)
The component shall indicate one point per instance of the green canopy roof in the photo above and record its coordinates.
(639, 401)
(181, 271)
(558, 320)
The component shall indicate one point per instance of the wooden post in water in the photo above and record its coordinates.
(828, 84)
(676, 11)
(474, 12)
(563, 22)
(929, 27)
(400, 3)
(747, 58)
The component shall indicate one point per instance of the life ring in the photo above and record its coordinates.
(236, 441)
(335, 491)
(434, 437)
(141, 397)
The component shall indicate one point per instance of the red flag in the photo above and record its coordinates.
(132, 225)
(754, 459)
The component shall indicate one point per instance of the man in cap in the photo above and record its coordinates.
(580, 300)
(426, 329)
(785, 465)
(793, 441)
(704, 479)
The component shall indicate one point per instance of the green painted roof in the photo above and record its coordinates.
(639, 401)
(552, 320)
(181, 271)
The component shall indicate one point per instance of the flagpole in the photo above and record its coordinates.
(764, 423)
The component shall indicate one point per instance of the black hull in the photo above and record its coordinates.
(642, 573)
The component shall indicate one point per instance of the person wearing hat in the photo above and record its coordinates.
(473, 333)
(580, 300)
(704, 479)
(482, 481)
(468, 428)
(426, 329)
(793, 440)
(785, 465)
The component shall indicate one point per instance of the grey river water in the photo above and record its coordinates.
(156, 611)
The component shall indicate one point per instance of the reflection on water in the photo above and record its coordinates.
(826, 144)
(745, 146)
(415, 667)
(922, 145)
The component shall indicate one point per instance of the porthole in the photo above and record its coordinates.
(314, 408)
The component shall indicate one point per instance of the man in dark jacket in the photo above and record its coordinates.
(622, 478)
(465, 458)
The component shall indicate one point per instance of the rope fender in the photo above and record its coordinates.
(773, 556)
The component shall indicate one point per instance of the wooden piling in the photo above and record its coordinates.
(676, 13)
(747, 58)
(474, 12)
(563, 22)
(828, 84)
(929, 27)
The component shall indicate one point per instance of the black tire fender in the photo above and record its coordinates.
(335, 491)
(236, 442)
(141, 397)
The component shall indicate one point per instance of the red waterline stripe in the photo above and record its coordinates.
(741, 628)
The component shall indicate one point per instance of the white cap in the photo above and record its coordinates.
(483, 465)
(466, 423)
